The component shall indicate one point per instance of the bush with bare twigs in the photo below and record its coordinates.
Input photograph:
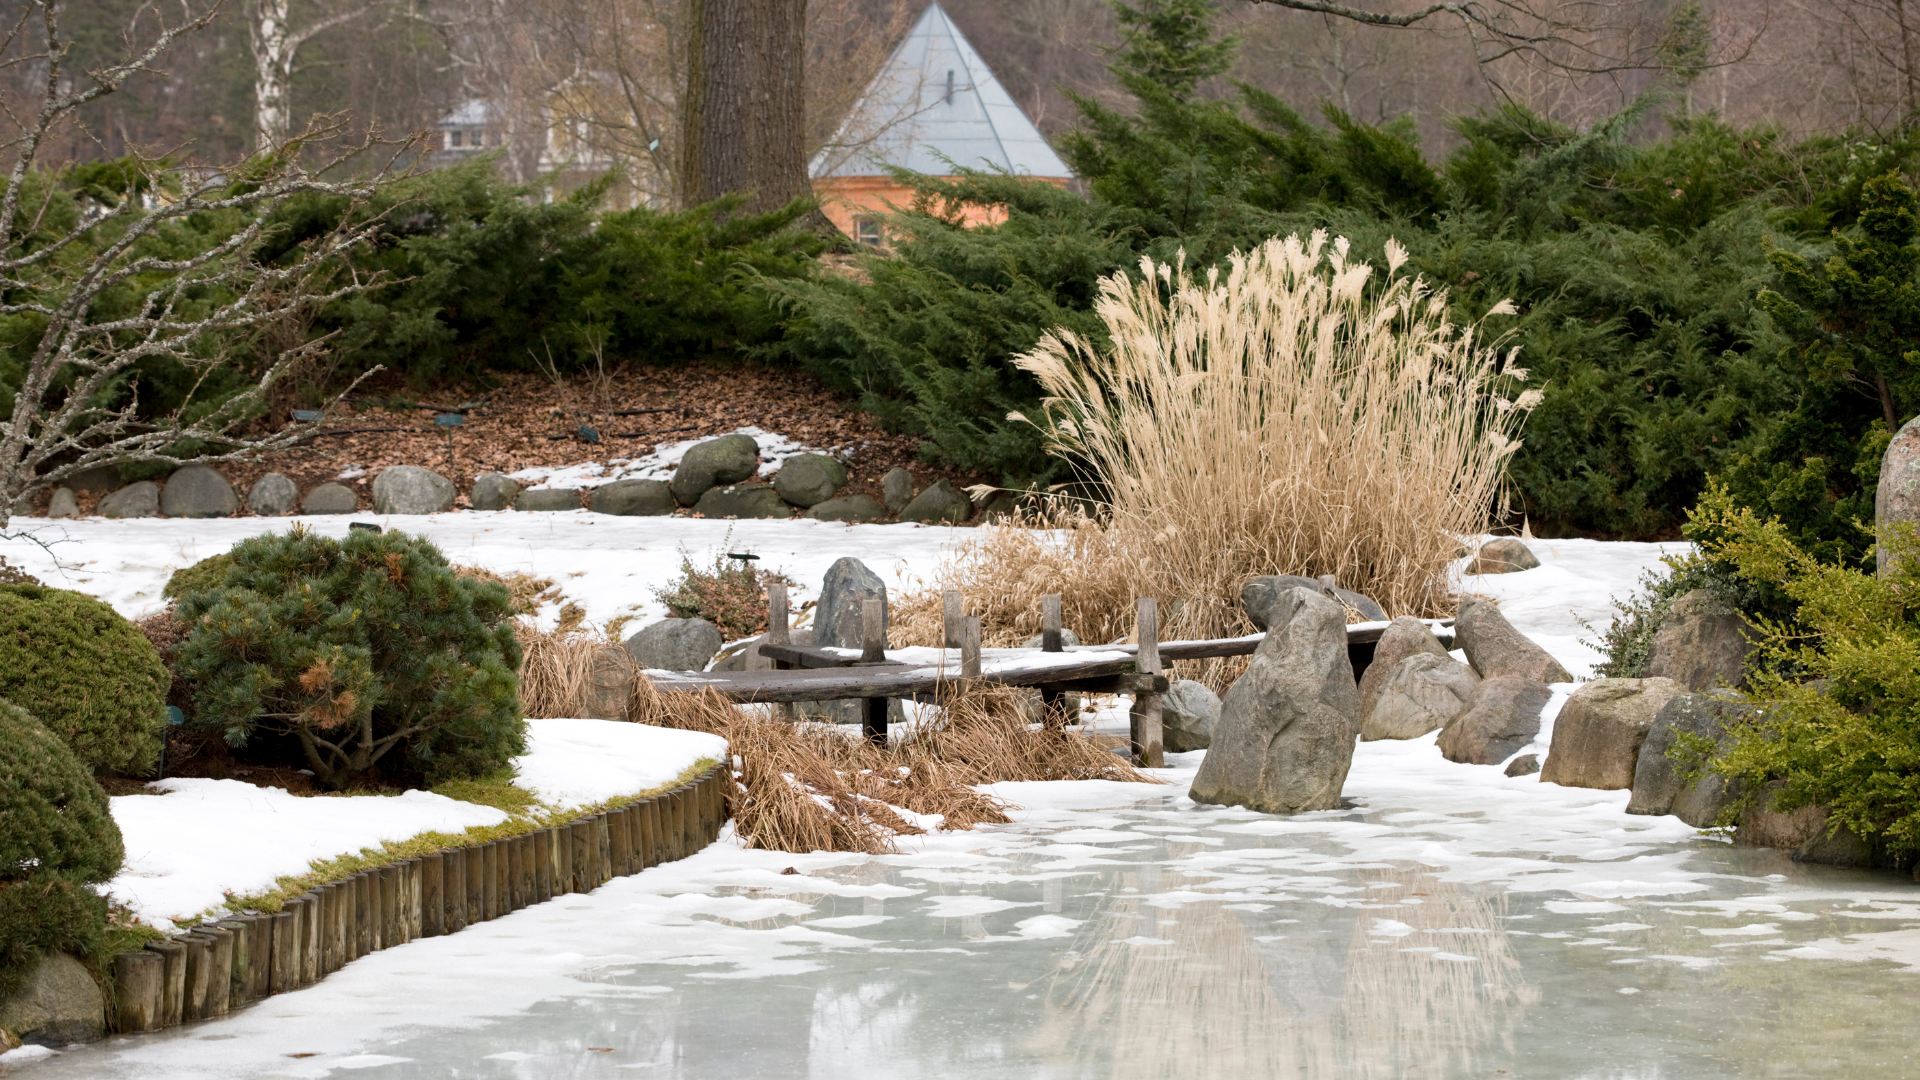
(814, 787)
(1289, 415)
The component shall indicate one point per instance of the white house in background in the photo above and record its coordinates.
(934, 104)
(473, 128)
(566, 153)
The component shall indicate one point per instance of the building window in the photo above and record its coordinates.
(454, 137)
(867, 231)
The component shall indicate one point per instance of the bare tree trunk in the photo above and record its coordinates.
(272, 71)
(744, 125)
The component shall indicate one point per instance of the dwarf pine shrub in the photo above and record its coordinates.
(90, 676)
(1838, 684)
(58, 842)
(368, 653)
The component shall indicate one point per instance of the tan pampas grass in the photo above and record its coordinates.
(1290, 415)
(814, 787)
(572, 671)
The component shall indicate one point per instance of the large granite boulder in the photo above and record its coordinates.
(1188, 713)
(410, 489)
(633, 498)
(675, 645)
(1596, 740)
(1285, 737)
(1259, 595)
(1423, 692)
(808, 479)
(897, 489)
(940, 502)
(547, 500)
(196, 491)
(1404, 637)
(1494, 647)
(1898, 496)
(1498, 719)
(1658, 787)
(742, 501)
(140, 499)
(493, 491)
(1503, 555)
(60, 1004)
(839, 622)
(850, 508)
(728, 459)
(63, 504)
(330, 498)
(273, 494)
(1701, 644)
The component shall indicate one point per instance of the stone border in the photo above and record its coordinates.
(215, 969)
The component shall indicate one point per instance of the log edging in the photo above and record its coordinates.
(234, 962)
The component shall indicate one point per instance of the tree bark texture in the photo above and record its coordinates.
(744, 129)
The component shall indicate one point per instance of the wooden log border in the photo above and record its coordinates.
(222, 966)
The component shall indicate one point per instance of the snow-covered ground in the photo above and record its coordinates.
(205, 839)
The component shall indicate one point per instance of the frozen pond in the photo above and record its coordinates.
(1454, 923)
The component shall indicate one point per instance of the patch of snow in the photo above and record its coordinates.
(658, 465)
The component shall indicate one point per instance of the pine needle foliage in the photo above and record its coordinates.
(364, 653)
(89, 675)
(59, 842)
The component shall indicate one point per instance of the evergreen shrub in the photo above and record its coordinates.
(59, 841)
(364, 654)
(90, 676)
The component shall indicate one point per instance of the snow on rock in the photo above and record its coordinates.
(1567, 600)
(188, 849)
(659, 465)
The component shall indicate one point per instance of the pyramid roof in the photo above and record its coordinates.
(935, 100)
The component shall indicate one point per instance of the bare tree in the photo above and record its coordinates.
(276, 46)
(77, 406)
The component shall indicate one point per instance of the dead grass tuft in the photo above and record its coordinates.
(525, 592)
(568, 671)
(817, 787)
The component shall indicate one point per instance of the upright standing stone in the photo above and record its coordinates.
(272, 495)
(1701, 644)
(63, 504)
(1188, 713)
(1596, 740)
(410, 489)
(1494, 647)
(1898, 497)
(1500, 716)
(1658, 787)
(897, 489)
(728, 459)
(1259, 595)
(1284, 740)
(838, 621)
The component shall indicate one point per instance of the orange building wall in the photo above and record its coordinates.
(844, 198)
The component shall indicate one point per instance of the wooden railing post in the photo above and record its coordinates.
(778, 633)
(970, 647)
(1053, 704)
(950, 617)
(1145, 716)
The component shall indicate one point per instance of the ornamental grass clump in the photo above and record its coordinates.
(57, 844)
(364, 654)
(90, 676)
(1290, 413)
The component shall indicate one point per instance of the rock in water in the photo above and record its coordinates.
(1657, 785)
(897, 489)
(547, 500)
(1422, 694)
(330, 499)
(1494, 647)
(848, 508)
(1404, 637)
(728, 459)
(493, 491)
(1701, 644)
(136, 500)
(410, 489)
(1285, 736)
(838, 621)
(1898, 497)
(809, 479)
(940, 502)
(1501, 716)
(63, 504)
(742, 501)
(1596, 740)
(675, 645)
(60, 1004)
(196, 491)
(272, 495)
(633, 498)
(1503, 555)
(1188, 713)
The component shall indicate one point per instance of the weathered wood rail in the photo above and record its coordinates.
(808, 673)
(222, 966)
